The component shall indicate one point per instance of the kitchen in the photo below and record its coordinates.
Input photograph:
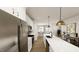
(55, 27)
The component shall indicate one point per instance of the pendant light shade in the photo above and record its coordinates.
(60, 22)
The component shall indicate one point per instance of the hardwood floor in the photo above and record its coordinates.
(38, 45)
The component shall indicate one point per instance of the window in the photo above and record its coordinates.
(41, 29)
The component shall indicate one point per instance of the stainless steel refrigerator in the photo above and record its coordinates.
(13, 33)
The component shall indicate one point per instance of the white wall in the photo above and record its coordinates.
(29, 21)
(35, 30)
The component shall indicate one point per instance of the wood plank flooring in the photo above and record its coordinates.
(38, 45)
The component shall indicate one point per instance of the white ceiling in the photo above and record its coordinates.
(41, 14)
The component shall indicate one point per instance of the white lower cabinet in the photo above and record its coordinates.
(50, 49)
(29, 44)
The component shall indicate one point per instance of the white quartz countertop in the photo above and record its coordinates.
(59, 45)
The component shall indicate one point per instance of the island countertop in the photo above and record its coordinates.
(59, 45)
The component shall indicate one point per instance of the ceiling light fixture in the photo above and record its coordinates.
(48, 21)
(60, 22)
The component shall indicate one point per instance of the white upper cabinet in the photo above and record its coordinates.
(7, 9)
(19, 12)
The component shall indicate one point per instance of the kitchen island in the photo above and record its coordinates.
(56, 44)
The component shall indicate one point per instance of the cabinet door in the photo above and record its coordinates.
(19, 12)
(29, 43)
(50, 49)
(7, 9)
(11, 10)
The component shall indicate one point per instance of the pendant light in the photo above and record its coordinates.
(48, 22)
(60, 22)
